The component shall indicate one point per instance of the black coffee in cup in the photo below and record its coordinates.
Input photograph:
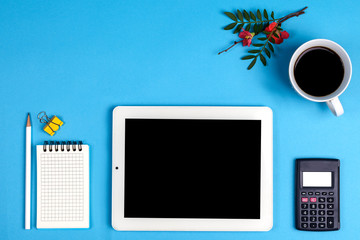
(319, 71)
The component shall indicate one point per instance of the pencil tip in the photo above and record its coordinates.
(28, 122)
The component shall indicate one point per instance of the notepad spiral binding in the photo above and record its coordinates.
(62, 146)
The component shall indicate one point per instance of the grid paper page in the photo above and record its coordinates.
(62, 188)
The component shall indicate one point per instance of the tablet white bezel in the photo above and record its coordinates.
(119, 222)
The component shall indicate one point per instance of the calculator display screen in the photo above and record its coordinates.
(192, 168)
(317, 179)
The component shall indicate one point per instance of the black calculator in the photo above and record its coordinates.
(317, 194)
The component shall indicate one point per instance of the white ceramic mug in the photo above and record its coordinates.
(332, 100)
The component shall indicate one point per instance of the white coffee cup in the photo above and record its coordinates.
(332, 100)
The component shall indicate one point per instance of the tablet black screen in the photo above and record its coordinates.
(187, 168)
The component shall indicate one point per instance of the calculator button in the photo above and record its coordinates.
(310, 193)
(321, 206)
(313, 199)
(313, 212)
(321, 199)
(304, 206)
(324, 193)
(321, 225)
(330, 206)
(330, 212)
(330, 222)
(313, 206)
(313, 225)
(304, 199)
(331, 193)
(321, 219)
(304, 212)
(303, 193)
(330, 199)
(312, 219)
(317, 193)
(304, 225)
(305, 219)
(322, 212)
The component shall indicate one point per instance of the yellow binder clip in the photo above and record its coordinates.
(52, 125)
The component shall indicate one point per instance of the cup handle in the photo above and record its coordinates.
(335, 106)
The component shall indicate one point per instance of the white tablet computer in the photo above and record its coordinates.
(192, 169)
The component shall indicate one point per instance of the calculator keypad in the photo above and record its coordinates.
(317, 210)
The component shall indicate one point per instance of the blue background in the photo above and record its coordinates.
(80, 59)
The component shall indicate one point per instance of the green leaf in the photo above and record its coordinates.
(279, 28)
(261, 27)
(238, 28)
(248, 57)
(258, 45)
(253, 51)
(272, 15)
(246, 15)
(256, 28)
(262, 38)
(267, 33)
(247, 28)
(271, 47)
(252, 15)
(232, 16)
(267, 52)
(263, 60)
(272, 40)
(276, 35)
(266, 14)
(251, 64)
(258, 13)
(230, 26)
(240, 16)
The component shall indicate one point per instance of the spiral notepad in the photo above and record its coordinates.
(62, 185)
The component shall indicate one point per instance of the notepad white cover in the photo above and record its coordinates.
(62, 188)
